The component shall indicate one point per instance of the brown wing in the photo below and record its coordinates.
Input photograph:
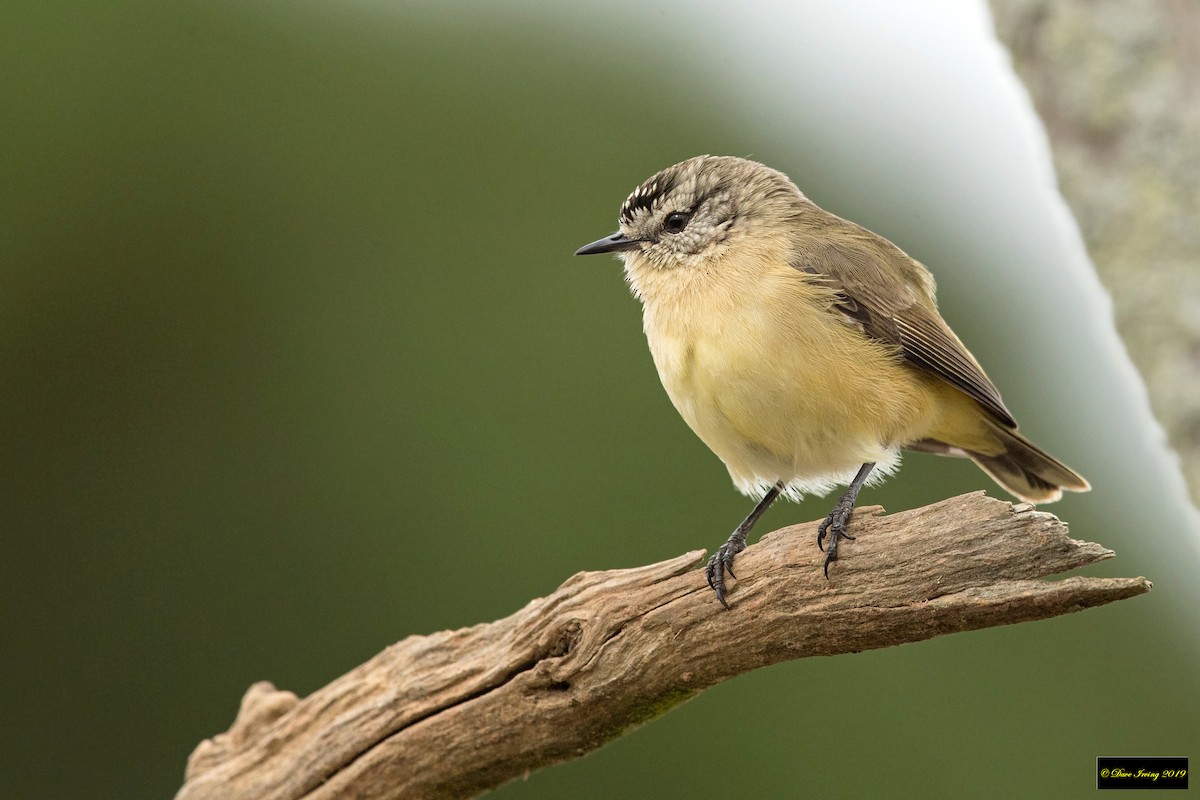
(891, 296)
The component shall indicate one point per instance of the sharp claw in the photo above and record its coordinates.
(720, 563)
(717, 584)
(837, 530)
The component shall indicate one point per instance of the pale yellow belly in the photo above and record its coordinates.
(805, 400)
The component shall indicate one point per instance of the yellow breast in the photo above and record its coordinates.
(777, 384)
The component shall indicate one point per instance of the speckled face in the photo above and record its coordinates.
(687, 213)
(679, 214)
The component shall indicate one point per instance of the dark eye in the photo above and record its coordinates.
(676, 221)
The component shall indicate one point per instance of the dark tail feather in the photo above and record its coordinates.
(1027, 471)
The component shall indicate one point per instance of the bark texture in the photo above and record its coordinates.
(1117, 85)
(455, 713)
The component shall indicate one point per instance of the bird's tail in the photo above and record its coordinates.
(1025, 469)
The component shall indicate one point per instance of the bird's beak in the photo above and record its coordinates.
(615, 243)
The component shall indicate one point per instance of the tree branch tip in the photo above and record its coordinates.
(261, 705)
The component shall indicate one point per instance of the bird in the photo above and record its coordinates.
(804, 350)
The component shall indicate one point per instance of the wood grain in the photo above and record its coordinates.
(455, 713)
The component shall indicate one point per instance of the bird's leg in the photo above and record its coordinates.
(835, 524)
(722, 560)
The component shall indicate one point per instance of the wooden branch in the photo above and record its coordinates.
(455, 713)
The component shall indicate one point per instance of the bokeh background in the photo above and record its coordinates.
(297, 362)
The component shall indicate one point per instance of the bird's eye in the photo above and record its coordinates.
(676, 221)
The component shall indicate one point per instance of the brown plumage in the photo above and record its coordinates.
(805, 350)
(891, 297)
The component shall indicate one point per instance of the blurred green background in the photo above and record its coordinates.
(297, 362)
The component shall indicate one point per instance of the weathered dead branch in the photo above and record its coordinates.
(455, 713)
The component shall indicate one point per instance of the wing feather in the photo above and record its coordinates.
(890, 296)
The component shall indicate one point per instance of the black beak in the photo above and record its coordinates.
(609, 244)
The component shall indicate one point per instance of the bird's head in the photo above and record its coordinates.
(693, 213)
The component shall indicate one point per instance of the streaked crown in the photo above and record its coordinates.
(691, 210)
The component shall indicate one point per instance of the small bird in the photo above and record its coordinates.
(806, 351)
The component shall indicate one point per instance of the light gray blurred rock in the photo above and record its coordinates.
(1117, 85)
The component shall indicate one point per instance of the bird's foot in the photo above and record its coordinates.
(722, 562)
(835, 525)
